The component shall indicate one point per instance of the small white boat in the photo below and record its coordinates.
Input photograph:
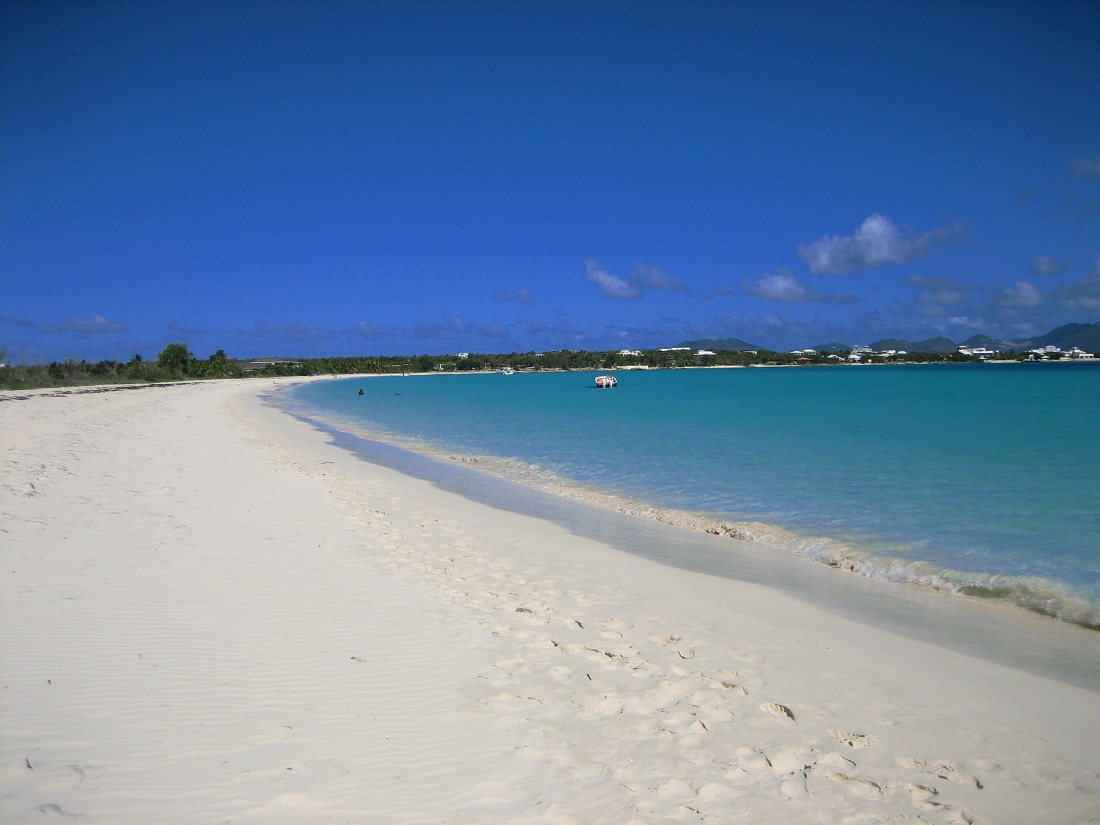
(507, 371)
(606, 382)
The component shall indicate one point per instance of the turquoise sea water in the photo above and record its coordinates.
(982, 478)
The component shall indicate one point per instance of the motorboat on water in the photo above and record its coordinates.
(606, 382)
(507, 371)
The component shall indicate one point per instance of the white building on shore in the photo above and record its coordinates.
(977, 352)
(1047, 352)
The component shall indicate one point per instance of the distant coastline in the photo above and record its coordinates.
(1076, 343)
(83, 374)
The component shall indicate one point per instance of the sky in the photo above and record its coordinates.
(401, 178)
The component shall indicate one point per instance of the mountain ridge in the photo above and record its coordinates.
(1066, 336)
(730, 344)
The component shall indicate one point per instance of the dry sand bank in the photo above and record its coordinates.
(209, 614)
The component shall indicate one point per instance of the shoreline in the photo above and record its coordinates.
(213, 614)
(93, 386)
(990, 629)
(1049, 598)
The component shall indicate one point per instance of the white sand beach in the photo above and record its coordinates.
(208, 613)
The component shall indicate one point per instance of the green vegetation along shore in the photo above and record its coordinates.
(177, 363)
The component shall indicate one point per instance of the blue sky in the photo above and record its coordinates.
(355, 178)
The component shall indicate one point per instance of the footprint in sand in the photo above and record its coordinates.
(677, 643)
(788, 766)
(863, 788)
(753, 762)
(793, 785)
(921, 797)
(792, 760)
(777, 710)
(951, 771)
(854, 740)
(835, 760)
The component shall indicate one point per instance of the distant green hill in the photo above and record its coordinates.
(1067, 336)
(716, 344)
(1085, 336)
(996, 344)
(936, 345)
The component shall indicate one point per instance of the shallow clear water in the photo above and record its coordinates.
(988, 475)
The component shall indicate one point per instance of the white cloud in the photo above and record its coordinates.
(1024, 294)
(784, 287)
(781, 286)
(877, 242)
(1046, 265)
(641, 278)
(611, 285)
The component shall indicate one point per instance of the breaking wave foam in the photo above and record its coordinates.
(1039, 595)
(1036, 594)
